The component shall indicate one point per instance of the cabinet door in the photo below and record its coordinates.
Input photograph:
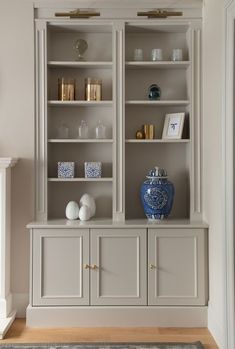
(177, 266)
(120, 276)
(59, 277)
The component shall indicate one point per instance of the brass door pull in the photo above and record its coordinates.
(86, 266)
(152, 266)
(93, 266)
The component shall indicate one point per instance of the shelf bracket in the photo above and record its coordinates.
(159, 14)
(77, 14)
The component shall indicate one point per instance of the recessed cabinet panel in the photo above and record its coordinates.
(58, 274)
(177, 267)
(119, 256)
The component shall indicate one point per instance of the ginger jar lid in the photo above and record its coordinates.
(157, 172)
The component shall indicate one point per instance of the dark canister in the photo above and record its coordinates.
(157, 194)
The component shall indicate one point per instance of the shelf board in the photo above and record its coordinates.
(102, 179)
(157, 103)
(157, 140)
(157, 65)
(70, 140)
(55, 103)
(82, 64)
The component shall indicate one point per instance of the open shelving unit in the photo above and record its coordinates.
(124, 109)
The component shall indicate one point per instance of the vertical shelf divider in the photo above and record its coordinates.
(119, 120)
(41, 122)
(196, 131)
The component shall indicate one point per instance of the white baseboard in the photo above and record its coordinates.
(216, 329)
(119, 316)
(20, 303)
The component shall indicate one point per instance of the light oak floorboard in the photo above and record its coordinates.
(19, 333)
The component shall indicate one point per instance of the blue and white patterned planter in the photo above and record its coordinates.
(93, 169)
(66, 169)
(157, 195)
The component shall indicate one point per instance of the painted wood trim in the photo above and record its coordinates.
(108, 223)
(228, 170)
(7, 315)
(38, 297)
(140, 237)
(121, 316)
(196, 126)
(199, 295)
(191, 4)
(41, 123)
(119, 121)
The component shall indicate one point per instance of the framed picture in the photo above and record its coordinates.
(173, 126)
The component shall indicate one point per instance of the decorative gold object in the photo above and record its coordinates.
(93, 89)
(151, 132)
(158, 13)
(66, 89)
(148, 130)
(139, 134)
(77, 14)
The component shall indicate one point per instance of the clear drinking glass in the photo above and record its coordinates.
(138, 54)
(177, 54)
(156, 54)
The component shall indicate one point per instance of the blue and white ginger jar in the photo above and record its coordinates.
(157, 194)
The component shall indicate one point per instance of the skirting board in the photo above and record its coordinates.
(131, 316)
(5, 324)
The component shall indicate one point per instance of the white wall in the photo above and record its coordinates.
(17, 126)
(212, 149)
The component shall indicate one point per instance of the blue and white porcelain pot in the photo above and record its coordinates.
(157, 194)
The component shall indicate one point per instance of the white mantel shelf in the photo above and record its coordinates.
(7, 314)
(7, 162)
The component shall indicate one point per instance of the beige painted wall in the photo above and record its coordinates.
(212, 149)
(17, 124)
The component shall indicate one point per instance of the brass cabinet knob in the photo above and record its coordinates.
(152, 266)
(93, 266)
(86, 266)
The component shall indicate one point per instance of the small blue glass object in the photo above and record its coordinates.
(154, 92)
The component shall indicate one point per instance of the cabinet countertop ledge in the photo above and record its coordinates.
(108, 223)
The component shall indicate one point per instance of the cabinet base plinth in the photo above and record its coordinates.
(131, 316)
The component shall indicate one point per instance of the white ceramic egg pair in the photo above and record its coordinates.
(86, 211)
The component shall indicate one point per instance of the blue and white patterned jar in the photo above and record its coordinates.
(157, 194)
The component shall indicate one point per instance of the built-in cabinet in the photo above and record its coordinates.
(111, 266)
(118, 268)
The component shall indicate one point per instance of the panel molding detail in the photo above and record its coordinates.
(40, 122)
(119, 120)
(196, 131)
(120, 276)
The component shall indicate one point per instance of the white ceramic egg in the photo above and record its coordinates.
(89, 201)
(72, 210)
(84, 213)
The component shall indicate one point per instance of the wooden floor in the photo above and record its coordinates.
(19, 333)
